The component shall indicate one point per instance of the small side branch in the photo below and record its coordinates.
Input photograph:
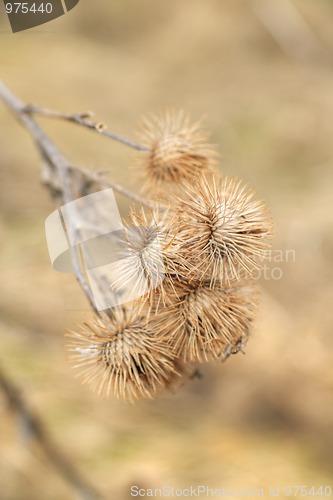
(103, 182)
(62, 178)
(83, 119)
(36, 430)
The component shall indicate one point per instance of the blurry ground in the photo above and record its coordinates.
(261, 419)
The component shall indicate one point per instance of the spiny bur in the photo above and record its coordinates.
(200, 322)
(223, 231)
(123, 354)
(190, 264)
(178, 151)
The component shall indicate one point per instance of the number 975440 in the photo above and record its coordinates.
(25, 8)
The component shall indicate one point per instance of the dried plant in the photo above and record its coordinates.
(178, 151)
(223, 232)
(124, 354)
(141, 267)
(201, 323)
(189, 261)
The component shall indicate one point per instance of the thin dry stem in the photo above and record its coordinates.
(83, 120)
(34, 426)
(64, 179)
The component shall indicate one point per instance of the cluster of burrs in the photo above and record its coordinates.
(193, 254)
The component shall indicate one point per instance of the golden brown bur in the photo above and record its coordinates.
(202, 323)
(124, 354)
(223, 231)
(179, 151)
(184, 271)
(141, 266)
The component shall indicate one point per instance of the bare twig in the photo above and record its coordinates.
(62, 176)
(83, 120)
(52, 154)
(288, 27)
(57, 162)
(36, 430)
(102, 181)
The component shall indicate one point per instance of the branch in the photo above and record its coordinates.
(35, 428)
(53, 155)
(62, 176)
(100, 180)
(83, 120)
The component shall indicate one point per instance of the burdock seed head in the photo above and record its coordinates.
(123, 354)
(140, 269)
(223, 231)
(178, 151)
(201, 323)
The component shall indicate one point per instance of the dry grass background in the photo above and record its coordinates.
(261, 419)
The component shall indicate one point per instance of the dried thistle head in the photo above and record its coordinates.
(223, 232)
(123, 354)
(202, 323)
(183, 266)
(140, 269)
(178, 152)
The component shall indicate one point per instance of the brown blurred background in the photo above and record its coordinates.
(261, 74)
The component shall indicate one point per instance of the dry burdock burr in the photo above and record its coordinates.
(213, 234)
